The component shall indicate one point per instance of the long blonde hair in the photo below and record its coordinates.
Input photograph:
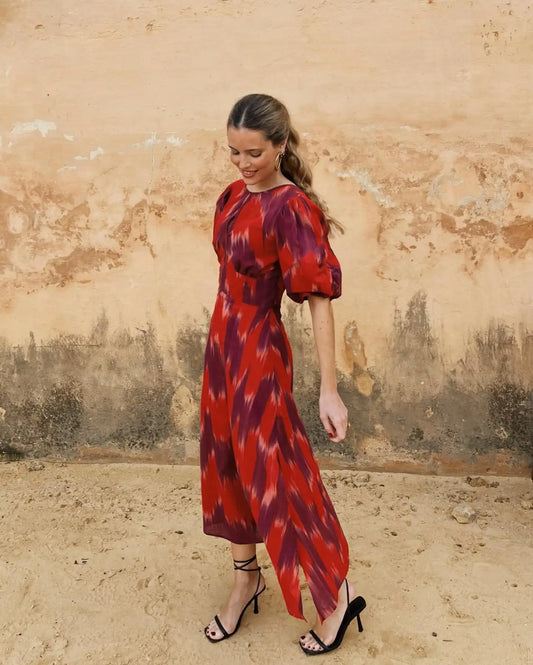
(268, 115)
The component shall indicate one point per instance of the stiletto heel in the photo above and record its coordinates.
(240, 565)
(359, 624)
(353, 611)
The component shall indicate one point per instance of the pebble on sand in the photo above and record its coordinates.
(464, 513)
(35, 466)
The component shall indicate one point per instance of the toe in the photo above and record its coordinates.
(212, 631)
(309, 643)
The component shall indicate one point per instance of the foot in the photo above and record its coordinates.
(328, 629)
(244, 588)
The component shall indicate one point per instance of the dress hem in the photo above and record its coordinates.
(232, 538)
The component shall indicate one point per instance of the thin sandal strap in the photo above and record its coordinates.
(241, 565)
(318, 641)
(221, 627)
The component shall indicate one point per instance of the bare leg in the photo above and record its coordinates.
(327, 630)
(244, 587)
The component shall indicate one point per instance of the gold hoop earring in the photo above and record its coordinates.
(277, 163)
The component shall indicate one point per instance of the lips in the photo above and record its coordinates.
(248, 174)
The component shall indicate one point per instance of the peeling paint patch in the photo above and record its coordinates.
(173, 140)
(17, 221)
(519, 234)
(93, 154)
(149, 143)
(355, 352)
(96, 153)
(366, 185)
(41, 126)
(176, 141)
(481, 203)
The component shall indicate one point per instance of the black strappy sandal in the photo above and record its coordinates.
(240, 565)
(353, 611)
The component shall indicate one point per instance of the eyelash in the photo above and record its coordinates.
(254, 156)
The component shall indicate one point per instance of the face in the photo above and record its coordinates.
(255, 157)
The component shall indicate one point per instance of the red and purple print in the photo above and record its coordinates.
(260, 481)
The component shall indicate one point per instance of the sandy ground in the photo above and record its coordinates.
(107, 564)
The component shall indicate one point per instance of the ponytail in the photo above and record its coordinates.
(295, 168)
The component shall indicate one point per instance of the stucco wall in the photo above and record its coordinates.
(417, 119)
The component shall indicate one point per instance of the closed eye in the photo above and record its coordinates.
(252, 153)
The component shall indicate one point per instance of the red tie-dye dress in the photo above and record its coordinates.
(260, 481)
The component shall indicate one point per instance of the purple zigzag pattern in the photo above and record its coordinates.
(260, 481)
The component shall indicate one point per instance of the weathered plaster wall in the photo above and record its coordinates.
(417, 119)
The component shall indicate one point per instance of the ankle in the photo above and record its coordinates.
(243, 580)
(248, 565)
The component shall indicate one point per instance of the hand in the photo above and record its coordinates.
(334, 415)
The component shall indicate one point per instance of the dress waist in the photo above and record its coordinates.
(263, 291)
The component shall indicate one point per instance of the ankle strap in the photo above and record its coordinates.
(241, 565)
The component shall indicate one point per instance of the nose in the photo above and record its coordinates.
(244, 161)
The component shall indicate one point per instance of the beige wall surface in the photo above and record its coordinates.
(416, 116)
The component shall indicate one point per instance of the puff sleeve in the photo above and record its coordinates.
(308, 264)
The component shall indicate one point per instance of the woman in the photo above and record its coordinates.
(260, 482)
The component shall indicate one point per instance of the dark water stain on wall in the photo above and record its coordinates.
(421, 405)
(101, 389)
(482, 404)
(511, 413)
(414, 366)
(123, 389)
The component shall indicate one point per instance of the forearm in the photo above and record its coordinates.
(324, 334)
(333, 413)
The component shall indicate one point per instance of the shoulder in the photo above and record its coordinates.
(232, 191)
(297, 202)
(298, 208)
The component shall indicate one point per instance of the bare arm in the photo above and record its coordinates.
(333, 413)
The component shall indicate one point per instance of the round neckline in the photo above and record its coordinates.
(270, 189)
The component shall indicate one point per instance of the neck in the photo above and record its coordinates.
(264, 187)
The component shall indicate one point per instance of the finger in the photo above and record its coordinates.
(340, 425)
(336, 434)
(328, 426)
